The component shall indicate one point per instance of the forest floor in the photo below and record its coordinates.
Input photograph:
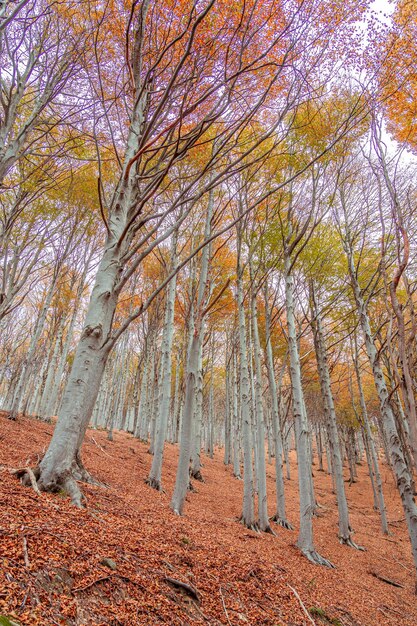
(53, 556)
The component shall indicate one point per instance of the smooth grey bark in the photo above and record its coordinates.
(263, 519)
(177, 402)
(182, 476)
(140, 424)
(59, 467)
(153, 400)
(34, 390)
(31, 353)
(51, 403)
(248, 510)
(154, 478)
(52, 368)
(280, 516)
(319, 444)
(227, 458)
(235, 421)
(403, 253)
(307, 505)
(286, 445)
(370, 441)
(330, 416)
(193, 371)
(195, 467)
(210, 417)
(402, 474)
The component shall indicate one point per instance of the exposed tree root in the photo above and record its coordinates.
(348, 541)
(188, 589)
(394, 583)
(79, 472)
(66, 481)
(281, 522)
(28, 478)
(197, 475)
(237, 476)
(155, 484)
(70, 486)
(251, 526)
(268, 530)
(315, 558)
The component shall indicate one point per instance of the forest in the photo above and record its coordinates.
(208, 312)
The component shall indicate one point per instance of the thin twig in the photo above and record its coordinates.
(94, 582)
(302, 605)
(224, 607)
(100, 447)
(25, 551)
(386, 580)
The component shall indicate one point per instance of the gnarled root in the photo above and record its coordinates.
(197, 475)
(281, 522)
(70, 487)
(254, 526)
(67, 484)
(29, 478)
(315, 558)
(65, 481)
(348, 541)
(79, 472)
(155, 484)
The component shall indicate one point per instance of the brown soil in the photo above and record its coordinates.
(51, 553)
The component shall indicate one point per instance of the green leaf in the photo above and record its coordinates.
(6, 621)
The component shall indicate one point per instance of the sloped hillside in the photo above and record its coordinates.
(128, 560)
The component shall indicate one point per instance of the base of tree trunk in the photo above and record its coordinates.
(155, 484)
(249, 525)
(237, 476)
(281, 522)
(348, 541)
(80, 473)
(66, 482)
(197, 475)
(316, 558)
(268, 530)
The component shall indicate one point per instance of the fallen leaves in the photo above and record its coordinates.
(52, 555)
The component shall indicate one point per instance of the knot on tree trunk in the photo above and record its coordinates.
(93, 331)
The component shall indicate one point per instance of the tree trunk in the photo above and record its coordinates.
(307, 505)
(248, 511)
(403, 477)
(280, 516)
(182, 476)
(370, 441)
(164, 403)
(263, 520)
(60, 466)
(330, 415)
